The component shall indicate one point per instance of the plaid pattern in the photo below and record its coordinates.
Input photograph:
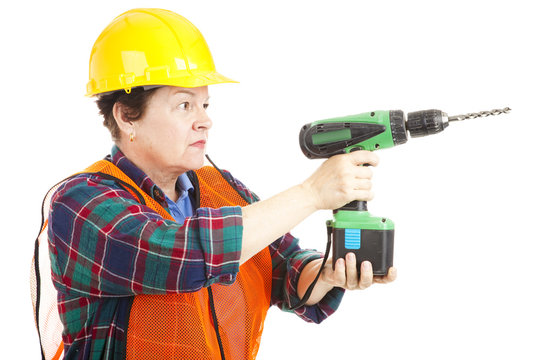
(105, 247)
(288, 260)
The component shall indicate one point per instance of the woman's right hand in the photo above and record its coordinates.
(338, 181)
(342, 179)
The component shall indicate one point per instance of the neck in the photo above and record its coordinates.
(165, 180)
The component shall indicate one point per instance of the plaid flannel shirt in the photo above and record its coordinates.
(105, 248)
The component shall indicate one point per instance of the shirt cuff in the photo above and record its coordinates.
(313, 313)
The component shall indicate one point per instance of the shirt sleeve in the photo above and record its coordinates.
(102, 242)
(288, 261)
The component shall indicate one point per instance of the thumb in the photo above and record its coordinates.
(363, 157)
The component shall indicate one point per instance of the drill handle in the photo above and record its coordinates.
(354, 206)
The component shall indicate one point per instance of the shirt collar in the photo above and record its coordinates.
(184, 187)
(183, 184)
(183, 207)
(142, 180)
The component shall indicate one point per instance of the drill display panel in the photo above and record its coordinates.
(331, 136)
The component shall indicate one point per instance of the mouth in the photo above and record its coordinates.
(199, 144)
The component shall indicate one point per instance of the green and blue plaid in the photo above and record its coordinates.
(106, 247)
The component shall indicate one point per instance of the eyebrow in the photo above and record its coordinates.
(184, 91)
(189, 92)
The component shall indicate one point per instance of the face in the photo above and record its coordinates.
(172, 134)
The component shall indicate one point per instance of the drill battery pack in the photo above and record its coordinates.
(369, 237)
(376, 246)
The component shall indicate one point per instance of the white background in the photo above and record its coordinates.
(465, 202)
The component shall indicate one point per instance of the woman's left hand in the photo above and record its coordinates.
(345, 274)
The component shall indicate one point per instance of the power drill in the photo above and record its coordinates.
(353, 228)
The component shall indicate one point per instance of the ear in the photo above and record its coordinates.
(126, 126)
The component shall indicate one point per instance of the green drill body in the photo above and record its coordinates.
(377, 141)
(353, 228)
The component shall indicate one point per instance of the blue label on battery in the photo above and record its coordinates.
(352, 239)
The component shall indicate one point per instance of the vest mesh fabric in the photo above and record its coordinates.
(174, 326)
(180, 326)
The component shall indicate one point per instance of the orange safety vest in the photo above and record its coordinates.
(182, 326)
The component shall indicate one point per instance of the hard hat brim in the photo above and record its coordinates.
(191, 81)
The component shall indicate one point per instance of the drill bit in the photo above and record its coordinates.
(506, 110)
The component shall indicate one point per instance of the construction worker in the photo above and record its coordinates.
(154, 256)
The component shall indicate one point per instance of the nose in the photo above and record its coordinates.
(203, 121)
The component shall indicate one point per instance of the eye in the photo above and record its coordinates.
(184, 106)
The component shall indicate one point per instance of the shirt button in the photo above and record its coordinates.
(158, 194)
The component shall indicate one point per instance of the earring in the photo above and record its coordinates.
(131, 137)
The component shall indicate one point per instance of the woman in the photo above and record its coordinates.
(155, 256)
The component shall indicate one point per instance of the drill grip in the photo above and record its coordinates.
(354, 206)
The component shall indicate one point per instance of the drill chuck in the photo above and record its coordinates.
(418, 123)
(426, 122)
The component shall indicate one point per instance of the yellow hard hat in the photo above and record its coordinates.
(144, 47)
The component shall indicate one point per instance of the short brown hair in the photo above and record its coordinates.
(134, 106)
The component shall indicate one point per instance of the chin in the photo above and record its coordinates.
(193, 164)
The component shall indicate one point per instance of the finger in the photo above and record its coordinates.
(362, 195)
(366, 275)
(388, 278)
(364, 157)
(392, 274)
(362, 172)
(339, 273)
(362, 184)
(352, 274)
